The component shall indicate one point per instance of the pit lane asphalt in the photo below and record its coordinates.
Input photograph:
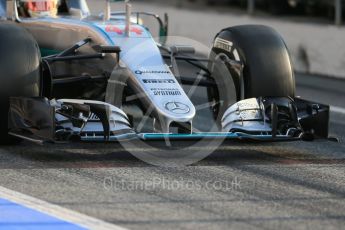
(298, 185)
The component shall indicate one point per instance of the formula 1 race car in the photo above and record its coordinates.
(67, 75)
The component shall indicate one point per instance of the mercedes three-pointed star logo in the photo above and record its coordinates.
(177, 107)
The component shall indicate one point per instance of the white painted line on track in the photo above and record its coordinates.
(56, 211)
(336, 109)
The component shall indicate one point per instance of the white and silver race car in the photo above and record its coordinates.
(80, 77)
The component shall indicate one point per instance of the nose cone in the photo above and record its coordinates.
(150, 77)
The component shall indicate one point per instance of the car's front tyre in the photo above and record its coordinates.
(263, 55)
(19, 70)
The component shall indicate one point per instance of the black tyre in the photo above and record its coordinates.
(267, 69)
(19, 70)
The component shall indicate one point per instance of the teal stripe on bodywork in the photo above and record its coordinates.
(193, 136)
(47, 52)
(187, 136)
(225, 136)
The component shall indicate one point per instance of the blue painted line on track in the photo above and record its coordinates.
(14, 216)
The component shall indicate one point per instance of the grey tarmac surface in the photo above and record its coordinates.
(299, 185)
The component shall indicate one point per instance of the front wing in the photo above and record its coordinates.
(260, 119)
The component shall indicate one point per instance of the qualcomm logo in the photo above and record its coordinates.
(151, 72)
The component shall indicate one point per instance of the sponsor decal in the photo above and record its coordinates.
(93, 117)
(166, 92)
(223, 44)
(177, 107)
(139, 72)
(155, 81)
(119, 31)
